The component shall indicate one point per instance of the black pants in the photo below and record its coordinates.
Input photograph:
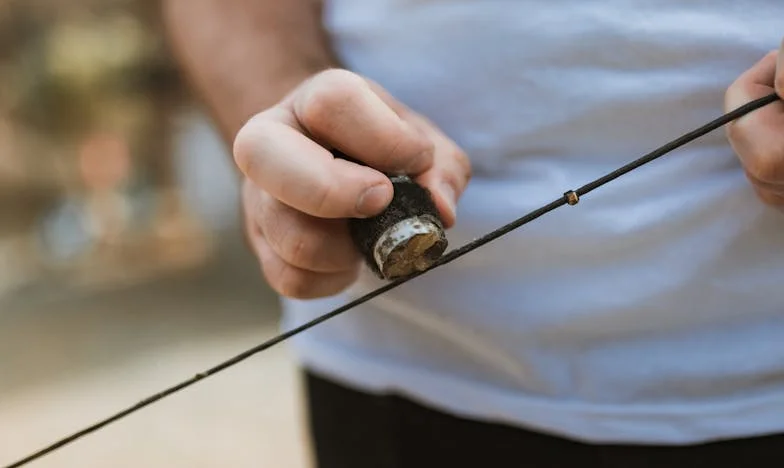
(351, 429)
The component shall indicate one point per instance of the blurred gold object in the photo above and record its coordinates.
(89, 55)
(86, 121)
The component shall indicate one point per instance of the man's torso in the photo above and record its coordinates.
(652, 310)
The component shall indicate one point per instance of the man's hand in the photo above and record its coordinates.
(758, 137)
(243, 57)
(297, 196)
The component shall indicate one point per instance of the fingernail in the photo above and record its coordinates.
(373, 200)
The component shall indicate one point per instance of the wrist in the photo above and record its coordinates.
(241, 57)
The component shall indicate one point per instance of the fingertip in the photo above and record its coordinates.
(769, 197)
(447, 184)
(448, 203)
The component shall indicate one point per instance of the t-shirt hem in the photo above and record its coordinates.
(667, 424)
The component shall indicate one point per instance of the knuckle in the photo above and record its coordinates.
(730, 95)
(427, 148)
(251, 233)
(464, 162)
(246, 144)
(253, 207)
(300, 248)
(241, 150)
(328, 93)
(273, 223)
(769, 198)
(252, 219)
(421, 145)
(262, 214)
(768, 166)
(299, 251)
(323, 197)
(734, 131)
(340, 80)
(779, 82)
(392, 150)
(293, 283)
(248, 196)
(282, 277)
(411, 151)
(458, 173)
(293, 239)
(411, 155)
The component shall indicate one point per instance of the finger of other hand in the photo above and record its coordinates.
(758, 137)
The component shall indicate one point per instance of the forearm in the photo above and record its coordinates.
(242, 56)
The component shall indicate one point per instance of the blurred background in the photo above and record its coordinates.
(122, 265)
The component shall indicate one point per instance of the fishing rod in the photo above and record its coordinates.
(403, 243)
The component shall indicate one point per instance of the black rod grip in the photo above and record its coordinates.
(406, 237)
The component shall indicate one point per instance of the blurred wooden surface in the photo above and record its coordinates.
(67, 362)
(89, 107)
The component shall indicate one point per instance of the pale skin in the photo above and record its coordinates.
(265, 71)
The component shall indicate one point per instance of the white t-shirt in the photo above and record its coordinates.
(651, 312)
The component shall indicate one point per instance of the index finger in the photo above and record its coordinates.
(340, 110)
